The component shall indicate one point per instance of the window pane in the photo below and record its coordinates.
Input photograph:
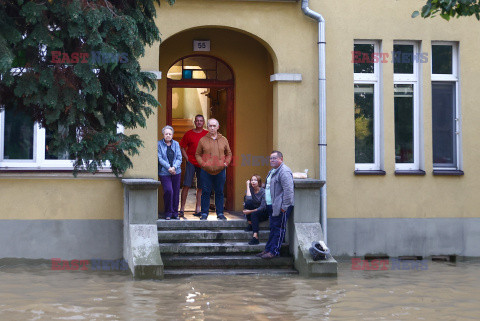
(187, 74)
(18, 143)
(364, 123)
(443, 124)
(363, 58)
(223, 73)
(442, 57)
(198, 74)
(403, 59)
(404, 127)
(212, 74)
(49, 150)
(175, 72)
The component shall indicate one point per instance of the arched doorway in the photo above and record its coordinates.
(252, 96)
(202, 84)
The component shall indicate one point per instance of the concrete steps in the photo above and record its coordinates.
(208, 236)
(227, 261)
(215, 248)
(191, 247)
(190, 272)
(205, 225)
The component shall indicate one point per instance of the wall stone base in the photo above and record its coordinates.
(404, 236)
(64, 239)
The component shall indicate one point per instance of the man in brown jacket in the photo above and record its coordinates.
(213, 155)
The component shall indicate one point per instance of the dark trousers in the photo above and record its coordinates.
(215, 182)
(256, 217)
(260, 216)
(171, 192)
(278, 225)
(248, 205)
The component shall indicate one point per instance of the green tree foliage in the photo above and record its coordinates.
(449, 8)
(80, 104)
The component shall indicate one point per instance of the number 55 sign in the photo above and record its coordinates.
(201, 45)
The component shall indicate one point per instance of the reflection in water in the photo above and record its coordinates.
(446, 291)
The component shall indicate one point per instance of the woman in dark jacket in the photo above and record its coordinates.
(169, 162)
(253, 198)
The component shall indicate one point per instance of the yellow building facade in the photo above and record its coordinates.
(402, 144)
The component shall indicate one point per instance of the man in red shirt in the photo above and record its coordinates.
(188, 146)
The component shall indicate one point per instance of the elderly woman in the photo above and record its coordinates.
(169, 162)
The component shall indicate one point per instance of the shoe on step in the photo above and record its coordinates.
(267, 256)
(261, 253)
(253, 241)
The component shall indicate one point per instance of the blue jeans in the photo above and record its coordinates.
(217, 182)
(278, 225)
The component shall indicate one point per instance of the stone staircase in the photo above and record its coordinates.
(191, 247)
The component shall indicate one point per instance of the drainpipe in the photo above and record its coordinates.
(322, 113)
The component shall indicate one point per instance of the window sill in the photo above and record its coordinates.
(55, 174)
(452, 172)
(375, 173)
(410, 172)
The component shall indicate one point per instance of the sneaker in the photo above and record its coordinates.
(261, 253)
(221, 217)
(197, 214)
(204, 217)
(168, 218)
(267, 256)
(253, 241)
(248, 228)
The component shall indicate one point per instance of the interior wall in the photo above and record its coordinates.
(188, 102)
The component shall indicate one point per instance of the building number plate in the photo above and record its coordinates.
(201, 45)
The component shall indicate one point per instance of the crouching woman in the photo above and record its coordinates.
(252, 207)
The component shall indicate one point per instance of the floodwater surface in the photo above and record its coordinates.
(441, 291)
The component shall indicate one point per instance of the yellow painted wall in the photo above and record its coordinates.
(291, 39)
(396, 196)
(61, 199)
(145, 164)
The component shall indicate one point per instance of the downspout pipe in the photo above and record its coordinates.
(322, 113)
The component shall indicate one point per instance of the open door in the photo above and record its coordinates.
(203, 85)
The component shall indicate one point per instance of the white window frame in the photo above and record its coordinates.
(452, 78)
(412, 79)
(38, 162)
(375, 80)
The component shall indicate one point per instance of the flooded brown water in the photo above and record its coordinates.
(444, 291)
